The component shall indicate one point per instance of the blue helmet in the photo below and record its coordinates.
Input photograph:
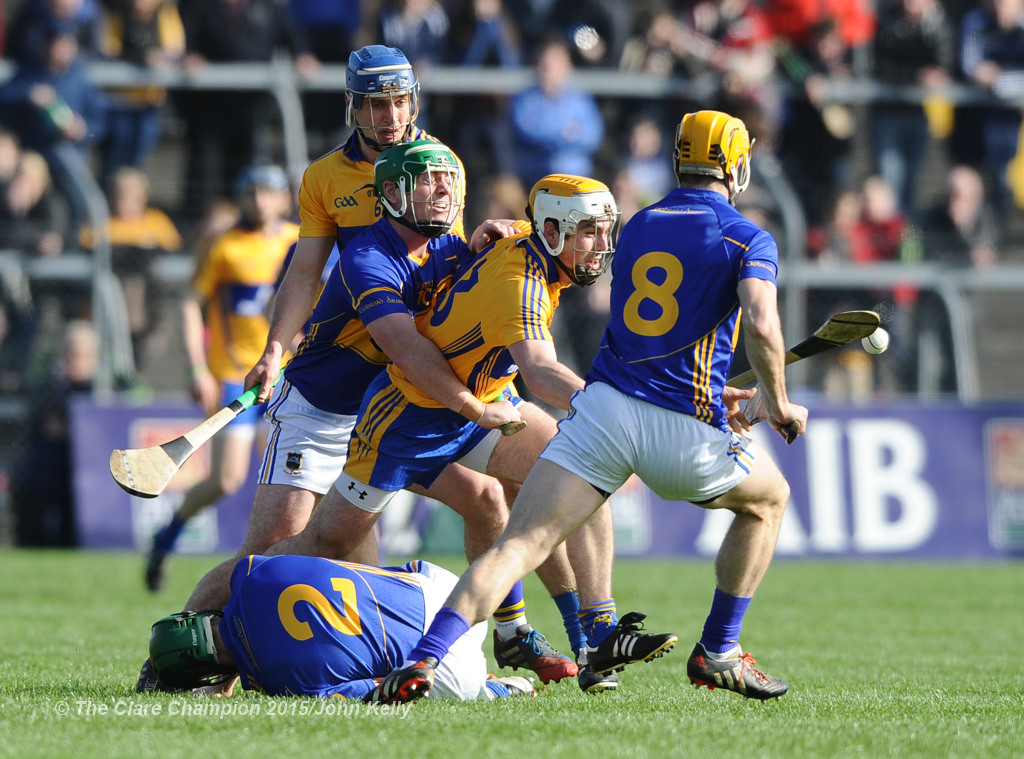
(379, 71)
(271, 177)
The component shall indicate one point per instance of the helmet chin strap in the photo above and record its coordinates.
(425, 228)
(579, 274)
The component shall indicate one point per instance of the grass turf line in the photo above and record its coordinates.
(883, 659)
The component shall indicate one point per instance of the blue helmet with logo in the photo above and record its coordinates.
(378, 71)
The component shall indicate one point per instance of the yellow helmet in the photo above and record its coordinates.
(570, 199)
(714, 144)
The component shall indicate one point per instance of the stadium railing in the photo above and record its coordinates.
(281, 80)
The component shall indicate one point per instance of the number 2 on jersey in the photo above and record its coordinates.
(661, 294)
(349, 624)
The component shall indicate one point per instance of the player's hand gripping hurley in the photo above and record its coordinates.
(145, 472)
(840, 329)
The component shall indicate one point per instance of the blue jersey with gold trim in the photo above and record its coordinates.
(674, 307)
(375, 276)
(306, 626)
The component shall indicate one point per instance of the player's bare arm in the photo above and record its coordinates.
(549, 379)
(203, 387)
(766, 351)
(292, 306)
(422, 362)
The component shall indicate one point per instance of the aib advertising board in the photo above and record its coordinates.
(938, 481)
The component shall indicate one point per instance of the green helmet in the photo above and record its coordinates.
(183, 653)
(403, 165)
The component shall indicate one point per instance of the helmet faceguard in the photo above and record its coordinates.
(714, 144)
(569, 200)
(378, 71)
(183, 653)
(413, 166)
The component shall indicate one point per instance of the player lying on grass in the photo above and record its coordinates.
(305, 626)
(656, 405)
(492, 324)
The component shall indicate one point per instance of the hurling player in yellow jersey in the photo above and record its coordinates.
(231, 288)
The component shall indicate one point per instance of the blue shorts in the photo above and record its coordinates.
(396, 444)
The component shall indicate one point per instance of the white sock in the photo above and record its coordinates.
(730, 654)
(507, 629)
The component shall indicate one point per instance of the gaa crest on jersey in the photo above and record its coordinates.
(293, 462)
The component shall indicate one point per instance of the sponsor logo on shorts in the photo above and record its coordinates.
(293, 463)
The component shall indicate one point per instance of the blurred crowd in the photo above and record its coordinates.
(860, 172)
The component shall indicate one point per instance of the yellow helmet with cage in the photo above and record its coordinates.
(569, 200)
(713, 143)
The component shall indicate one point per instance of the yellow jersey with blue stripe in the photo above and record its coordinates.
(237, 279)
(337, 198)
(675, 311)
(509, 293)
(305, 626)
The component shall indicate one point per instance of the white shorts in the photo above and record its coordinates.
(463, 671)
(307, 447)
(608, 436)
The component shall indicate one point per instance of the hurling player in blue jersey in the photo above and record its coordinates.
(656, 405)
(304, 626)
(306, 451)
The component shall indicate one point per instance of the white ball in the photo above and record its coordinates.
(876, 342)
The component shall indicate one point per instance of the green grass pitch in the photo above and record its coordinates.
(883, 659)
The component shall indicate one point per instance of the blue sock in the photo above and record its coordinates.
(569, 605)
(448, 626)
(168, 536)
(723, 625)
(598, 620)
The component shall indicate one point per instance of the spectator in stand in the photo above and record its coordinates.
(733, 39)
(10, 155)
(43, 497)
(914, 46)
(962, 229)
(331, 29)
(30, 27)
(959, 231)
(34, 218)
(52, 105)
(879, 232)
(795, 21)
(228, 131)
(137, 233)
(992, 58)
(417, 27)
(595, 31)
(484, 34)
(817, 135)
(557, 128)
(647, 162)
(657, 45)
(148, 34)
